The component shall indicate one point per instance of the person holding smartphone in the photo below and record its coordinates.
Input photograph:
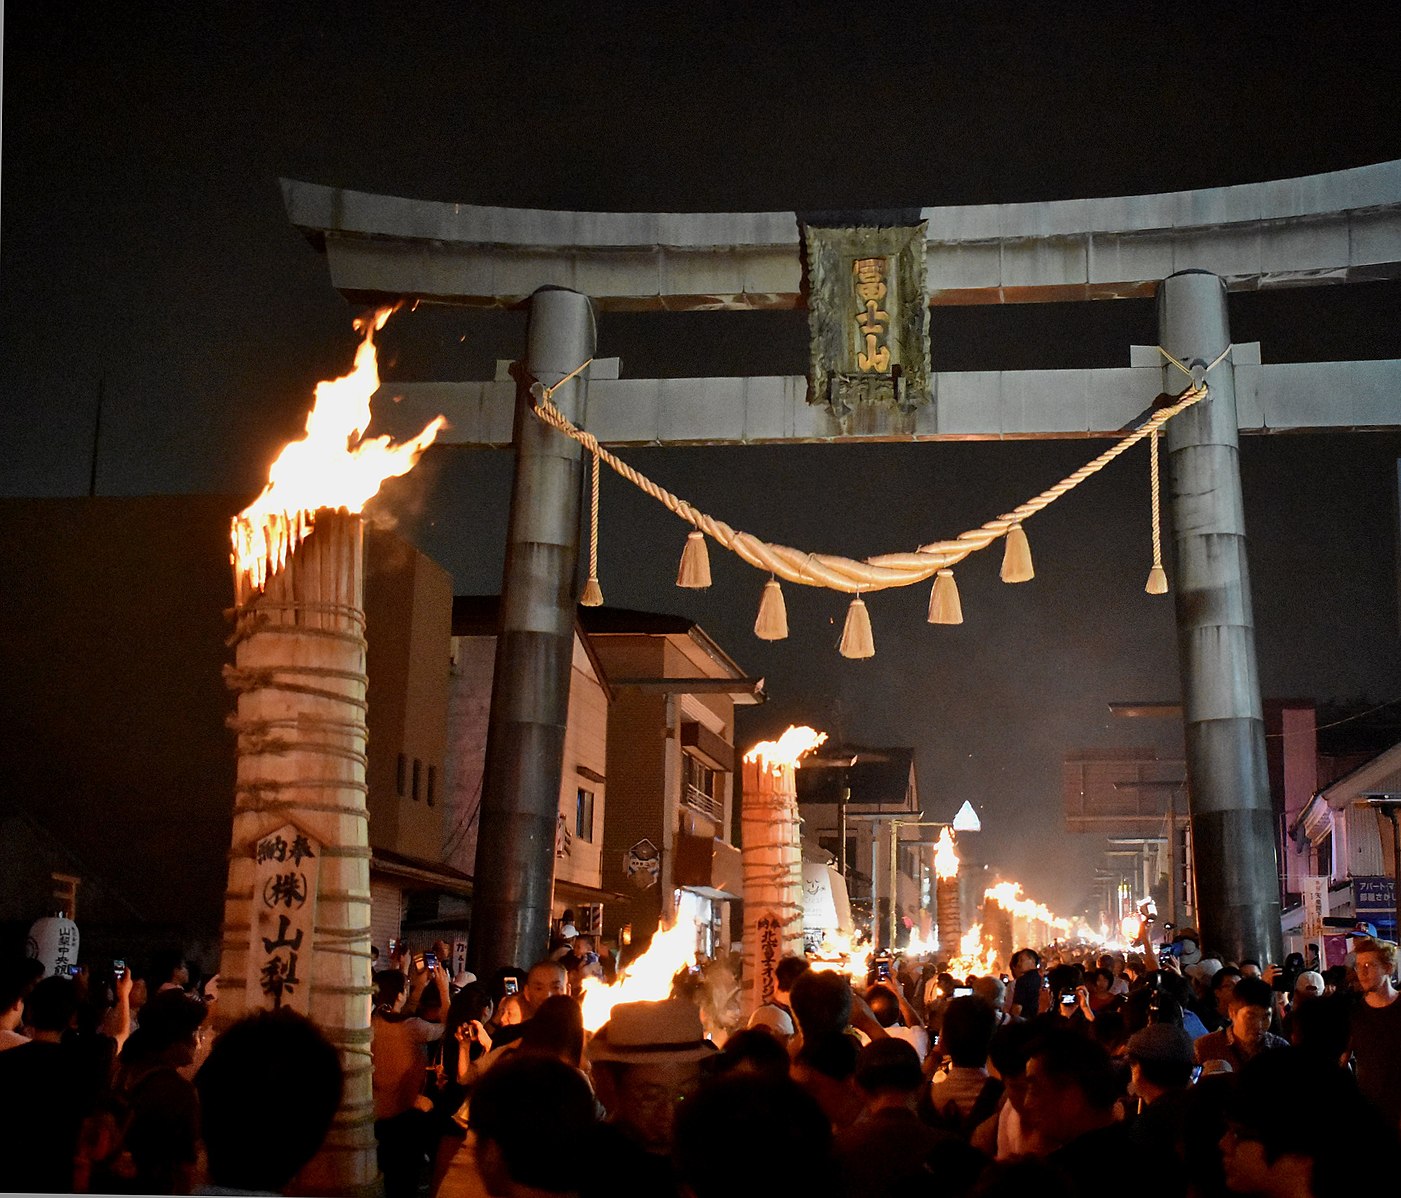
(399, 1050)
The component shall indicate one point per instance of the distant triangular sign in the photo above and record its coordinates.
(967, 819)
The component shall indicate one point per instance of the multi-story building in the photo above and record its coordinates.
(851, 797)
(668, 843)
(583, 778)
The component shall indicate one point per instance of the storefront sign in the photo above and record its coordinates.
(642, 865)
(1374, 899)
(1314, 896)
(286, 865)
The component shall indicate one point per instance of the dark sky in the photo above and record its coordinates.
(145, 256)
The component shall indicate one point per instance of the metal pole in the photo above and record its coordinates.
(534, 649)
(1228, 783)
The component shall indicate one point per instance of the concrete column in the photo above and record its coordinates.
(534, 650)
(1228, 783)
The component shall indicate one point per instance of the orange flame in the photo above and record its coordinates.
(975, 958)
(787, 749)
(1008, 896)
(647, 979)
(333, 466)
(945, 858)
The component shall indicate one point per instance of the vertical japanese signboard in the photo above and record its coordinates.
(1314, 896)
(286, 864)
(868, 318)
(770, 929)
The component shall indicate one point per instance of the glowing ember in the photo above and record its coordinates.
(333, 466)
(647, 979)
(787, 749)
(945, 858)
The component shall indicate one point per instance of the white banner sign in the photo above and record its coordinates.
(1314, 896)
(285, 868)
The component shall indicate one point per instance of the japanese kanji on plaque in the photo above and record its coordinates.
(286, 864)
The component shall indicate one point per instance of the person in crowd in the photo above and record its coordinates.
(961, 1093)
(1376, 1027)
(755, 1051)
(1026, 984)
(775, 1021)
(1321, 1028)
(17, 979)
(825, 1065)
(169, 971)
(884, 1151)
(899, 1019)
(993, 991)
(1007, 1133)
(1250, 968)
(531, 1118)
(398, 1048)
(1295, 1128)
(1072, 1094)
(1203, 1002)
(1160, 1078)
(162, 1128)
(1247, 1032)
(47, 1093)
(544, 979)
(749, 1137)
(253, 1145)
(647, 1060)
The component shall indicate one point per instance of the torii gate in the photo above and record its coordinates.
(1188, 248)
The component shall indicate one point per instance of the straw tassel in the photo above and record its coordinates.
(593, 593)
(857, 640)
(1016, 558)
(695, 563)
(944, 607)
(772, 624)
(1157, 577)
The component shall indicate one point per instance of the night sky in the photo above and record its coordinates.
(145, 258)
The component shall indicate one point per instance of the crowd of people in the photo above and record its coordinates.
(1170, 1072)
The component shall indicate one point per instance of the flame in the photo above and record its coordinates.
(787, 749)
(333, 466)
(1008, 896)
(647, 979)
(945, 858)
(842, 953)
(975, 958)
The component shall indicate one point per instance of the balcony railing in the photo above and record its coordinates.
(707, 805)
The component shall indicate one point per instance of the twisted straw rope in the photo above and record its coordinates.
(1157, 517)
(831, 570)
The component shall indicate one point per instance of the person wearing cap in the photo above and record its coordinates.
(1376, 1027)
(1160, 1077)
(774, 1020)
(1247, 1033)
(646, 1060)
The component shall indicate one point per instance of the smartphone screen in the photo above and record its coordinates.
(510, 985)
(962, 991)
(1068, 1000)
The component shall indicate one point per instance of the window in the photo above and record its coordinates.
(699, 789)
(583, 815)
(432, 784)
(401, 775)
(417, 777)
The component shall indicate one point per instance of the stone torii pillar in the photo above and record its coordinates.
(1232, 814)
(534, 650)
